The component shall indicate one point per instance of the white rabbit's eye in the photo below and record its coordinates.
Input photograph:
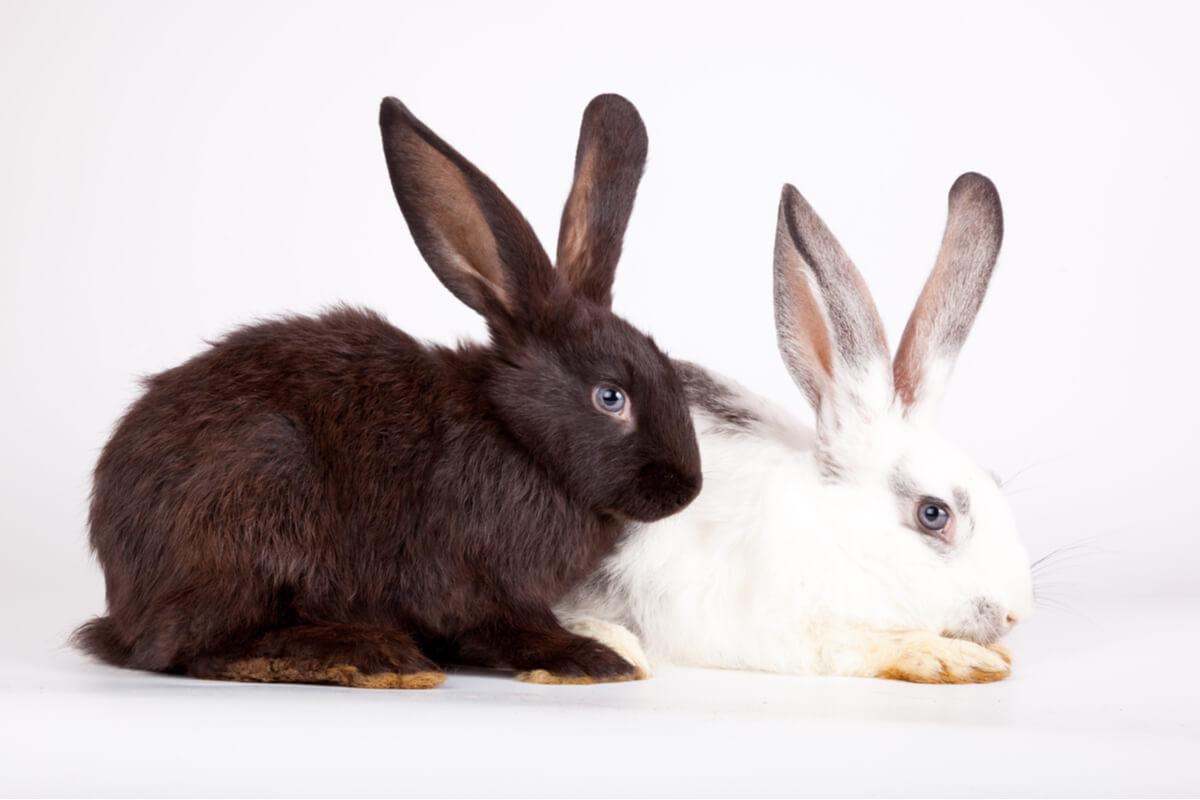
(933, 517)
(610, 400)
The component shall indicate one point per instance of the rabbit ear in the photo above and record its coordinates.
(830, 335)
(608, 167)
(951, 298)
(473, 237)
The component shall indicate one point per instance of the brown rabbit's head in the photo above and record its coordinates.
(592, 399)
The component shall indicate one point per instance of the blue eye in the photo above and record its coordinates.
(609, 399)
(933, 517)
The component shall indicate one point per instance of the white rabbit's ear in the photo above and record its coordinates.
(951, 298)
(830, 335)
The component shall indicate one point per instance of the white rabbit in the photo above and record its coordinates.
(869, 547)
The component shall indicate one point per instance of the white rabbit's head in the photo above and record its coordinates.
(929, 532)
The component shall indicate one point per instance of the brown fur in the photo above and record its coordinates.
(327, 499)
(608, 167)
(468, 241)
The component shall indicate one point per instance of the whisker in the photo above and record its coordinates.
(1061, 607)
(1054, 586)
(1006, 481)
(1071, 551)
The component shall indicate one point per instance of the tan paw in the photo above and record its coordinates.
(1002, 650)
(928, 658)
(284, 670)
(617, 637)
(397, 680)
(549, 678)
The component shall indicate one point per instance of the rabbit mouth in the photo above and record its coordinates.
(987, 624)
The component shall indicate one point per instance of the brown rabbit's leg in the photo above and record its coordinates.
(348, 655)
(542, 651)
(924, 657)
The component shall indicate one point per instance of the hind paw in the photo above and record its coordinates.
(288, 670)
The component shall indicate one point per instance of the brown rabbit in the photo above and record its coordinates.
(328, 500)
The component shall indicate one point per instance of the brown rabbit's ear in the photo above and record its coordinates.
(951, 298)
(829, 332)
(608, 168)
(477, 242)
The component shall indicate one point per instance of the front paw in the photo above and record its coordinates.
(1001, 649)
(928, 658)
(619, 638)
(586, 663)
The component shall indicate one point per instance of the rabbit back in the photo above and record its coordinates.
(272, 478)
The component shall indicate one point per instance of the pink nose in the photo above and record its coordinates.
(1011, 619)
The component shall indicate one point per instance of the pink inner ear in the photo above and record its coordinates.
(573, 235)
(804, 336)
(461, 227)
(915, 345)
(814, 327)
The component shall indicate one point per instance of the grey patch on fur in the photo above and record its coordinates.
(708, 395)
(902, 485)
(829, 467)
(907, 493)
(962, 501)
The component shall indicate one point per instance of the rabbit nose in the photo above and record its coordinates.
(1011, 619)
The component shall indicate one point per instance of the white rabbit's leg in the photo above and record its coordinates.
(615, 636)
(924, 657)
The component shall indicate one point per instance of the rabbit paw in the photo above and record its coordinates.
(923, 657)
(1002, 650)
(286, 670)
(585, 662)
(617, 637)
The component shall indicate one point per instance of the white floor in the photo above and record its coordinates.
(1103, 701)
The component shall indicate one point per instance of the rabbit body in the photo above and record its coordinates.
(328, 500)
(805, 552)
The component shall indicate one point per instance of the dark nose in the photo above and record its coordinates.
(668, 489)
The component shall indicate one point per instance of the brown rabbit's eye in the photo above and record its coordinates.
(933, 517)
(610, 400)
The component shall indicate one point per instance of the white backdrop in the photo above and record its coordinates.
(171, 170)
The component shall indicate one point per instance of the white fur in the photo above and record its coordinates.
(773, 568)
